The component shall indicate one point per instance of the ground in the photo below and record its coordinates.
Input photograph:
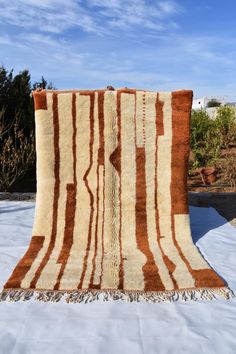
(118, 327)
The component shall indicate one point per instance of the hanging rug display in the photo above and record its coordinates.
(112, 218)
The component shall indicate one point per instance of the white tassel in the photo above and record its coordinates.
(85, 296)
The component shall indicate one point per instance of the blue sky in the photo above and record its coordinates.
(157, 45)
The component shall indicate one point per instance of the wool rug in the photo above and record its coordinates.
(112, 217)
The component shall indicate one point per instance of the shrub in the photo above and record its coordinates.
(225, 125)
(211, 141)
(204, 142)
(17, 152)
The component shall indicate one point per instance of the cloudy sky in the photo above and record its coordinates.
(149, 44)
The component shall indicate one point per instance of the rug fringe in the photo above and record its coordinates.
(85, 296)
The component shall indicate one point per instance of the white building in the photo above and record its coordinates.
(201, 103)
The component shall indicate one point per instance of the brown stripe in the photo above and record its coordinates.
(88, 92)
(118, 158)
(70, 204)
(68, 231)
(25, 263)
(127, 90)
(159, 116)
(160, 131)
(69, 223)
(56, 191)
(40, 100)
(101, 128)
(92, 98)
(181, 108)
(207, 278)
(181, 105)
(150, 271)
(114, 159)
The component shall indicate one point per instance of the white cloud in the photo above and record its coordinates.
(169, 7)
(142, 47)
(6, 40)
(96, 16)
(53, 16)
(125, 14)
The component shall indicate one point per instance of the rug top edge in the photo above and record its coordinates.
(121, 89)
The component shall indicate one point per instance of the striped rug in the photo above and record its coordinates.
(112, 218)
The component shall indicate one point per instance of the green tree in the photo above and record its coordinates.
(43, 84)
(17, 153)
(15, 97)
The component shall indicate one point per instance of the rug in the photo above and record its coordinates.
(112, 218)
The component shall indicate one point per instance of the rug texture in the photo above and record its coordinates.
(112, 218)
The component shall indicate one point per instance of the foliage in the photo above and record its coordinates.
(17, 152)
(210, 137)
(203, 141)
(15, 97)
(43, 84)
(227, 167)
(225, 125)
(17, 130)
(213, 103)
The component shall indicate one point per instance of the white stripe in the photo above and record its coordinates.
(185, 242)
(92, 182)
(99, 232)
(134, 259)
(111, 259)
(45, 182)
(50, 272)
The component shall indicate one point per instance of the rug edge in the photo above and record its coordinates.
(90, 295)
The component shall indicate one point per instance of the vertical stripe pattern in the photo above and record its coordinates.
(112, 200)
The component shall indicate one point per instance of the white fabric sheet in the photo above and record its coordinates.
(117, 326)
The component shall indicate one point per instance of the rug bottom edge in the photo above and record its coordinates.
(89, 295)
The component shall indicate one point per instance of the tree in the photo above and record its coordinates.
(17, 152)
(43, 84)
(15, 97)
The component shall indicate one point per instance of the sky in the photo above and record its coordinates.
(156, 45)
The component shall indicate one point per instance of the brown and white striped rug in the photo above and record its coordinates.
(111, 216)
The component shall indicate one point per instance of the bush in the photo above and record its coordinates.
(211, 141)
(203, 141)
(225, 125)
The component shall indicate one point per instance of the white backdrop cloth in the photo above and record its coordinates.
(118, 327)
